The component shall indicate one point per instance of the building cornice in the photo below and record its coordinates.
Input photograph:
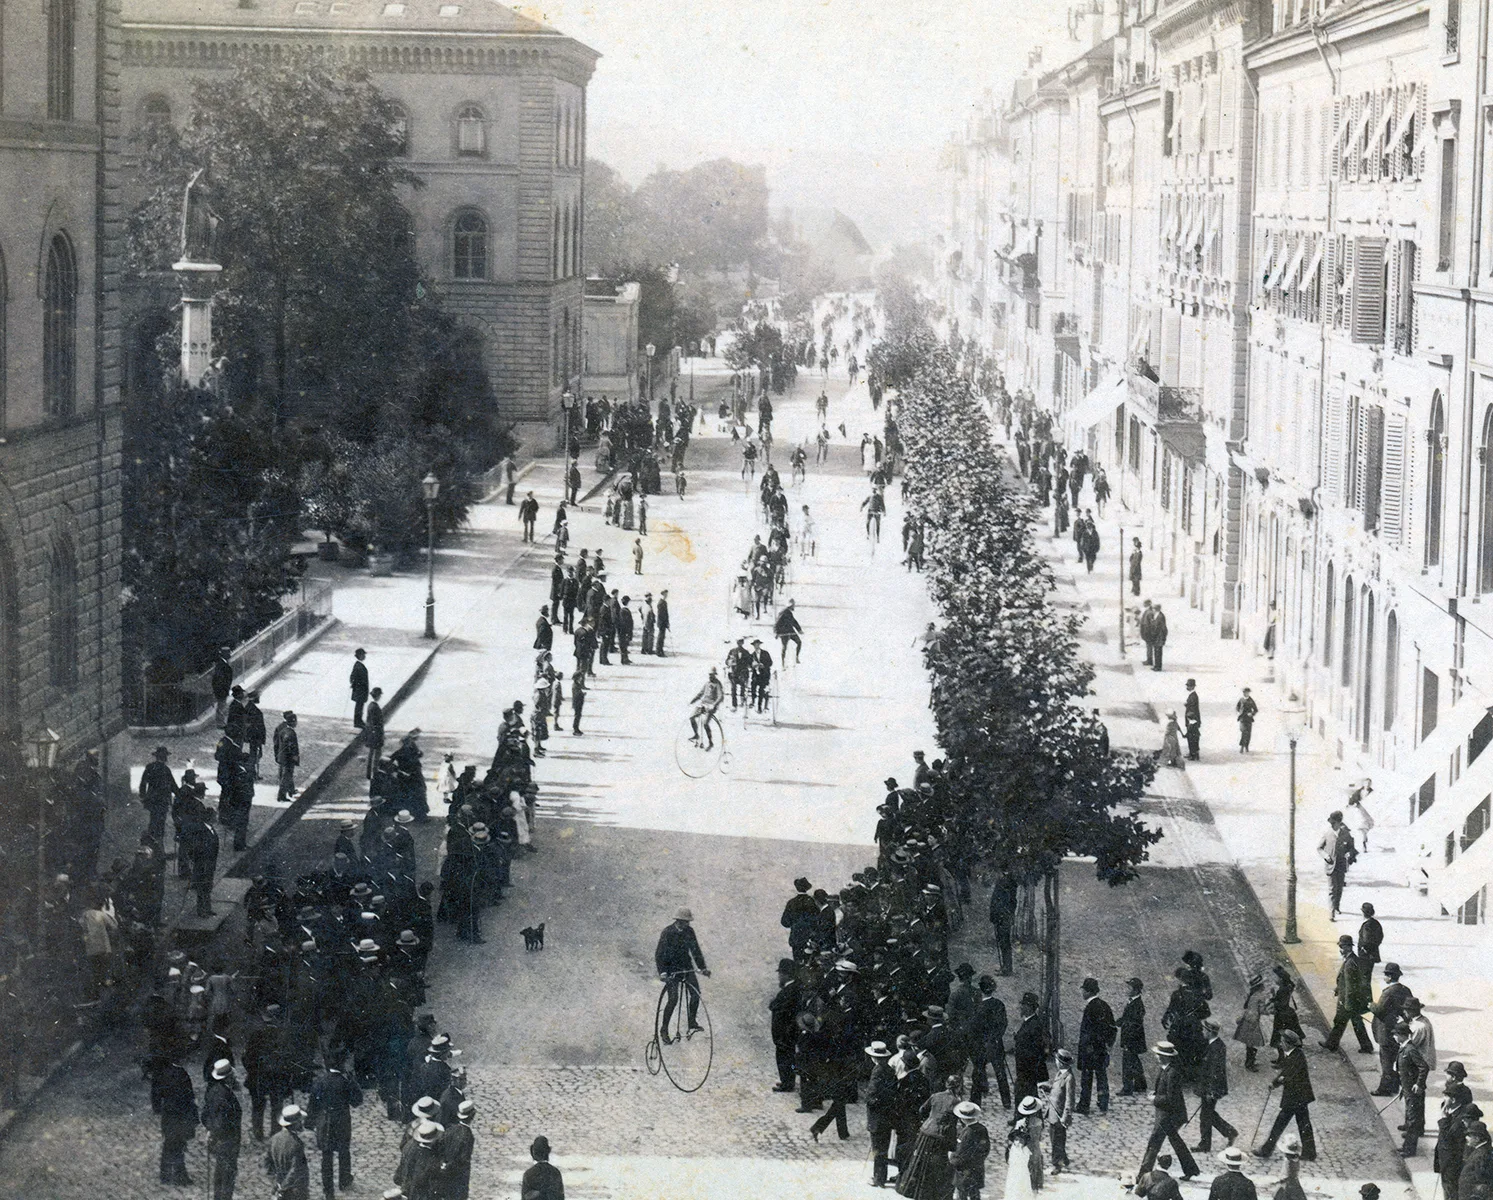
(1341, 26)
(419, 51)
(1142, 96)
(1186, 16)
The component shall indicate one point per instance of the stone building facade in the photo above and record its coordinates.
(60, 426)
(495, 124)
(1295, 207)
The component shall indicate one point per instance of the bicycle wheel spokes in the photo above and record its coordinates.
(688, 1058)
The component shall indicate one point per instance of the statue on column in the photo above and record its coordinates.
(199, 222)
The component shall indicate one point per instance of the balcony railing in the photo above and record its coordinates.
(1179, 403)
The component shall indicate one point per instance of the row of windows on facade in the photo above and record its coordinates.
(565, 353)
(468, 131)
(1370, 137)
(59, 313)
(1362, 285)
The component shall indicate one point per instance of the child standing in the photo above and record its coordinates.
(1060, 1100)
(637, 556)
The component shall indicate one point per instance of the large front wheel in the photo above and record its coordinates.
(685, 1056)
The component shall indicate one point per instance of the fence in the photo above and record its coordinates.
(180, 703)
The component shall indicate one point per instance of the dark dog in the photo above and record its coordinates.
(534, 937)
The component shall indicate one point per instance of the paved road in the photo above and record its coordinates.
(554, 1040)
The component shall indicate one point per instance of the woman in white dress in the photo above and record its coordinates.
(1019, 1164)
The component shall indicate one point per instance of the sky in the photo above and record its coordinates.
(846, 102)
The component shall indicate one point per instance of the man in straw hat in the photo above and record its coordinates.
(1231, 1183)
(285, 1157)
(1171, 1112)
(419, 1170)
(1295, 1098)
(971, 1149)
(223, 1118)
(881, 1109)
(457, 1146)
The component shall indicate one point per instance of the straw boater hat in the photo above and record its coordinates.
(404, 817)
(425, 1108)
(1233, 1158)
(428, 1132)
(1027, 1107)
(222, 1069)
(968, 1111)
(290, 1114)
(878, 1050)
(1164, 1050)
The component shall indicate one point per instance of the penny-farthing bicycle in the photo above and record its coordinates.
(683, 1054)
(698, 757)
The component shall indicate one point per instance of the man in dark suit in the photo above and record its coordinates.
(1295, 1099)
(157, 787)
(557, 584)
(675, 958)
(1354, 998)
(1213, 1086)
(1133, 1041)
(800, 906)
(1451, 1135)
(663, 622)
(1476, 1176)
(881, 1109)
(334, 1095)
(1232, 1183)
(357, 681)
(1096, 1035)
(1170, 1100)
(1029, 1049)
(1003, 915)
(1387, 1011)
(784, 1009)
(1370, 938)
(172, 1097)
(1147, 617)
(1192, 720)
(373, 728)
(223, 1118)
(544, 633)
(1158, 636)
(988, 1043)
(625, 628)
(457, 1145)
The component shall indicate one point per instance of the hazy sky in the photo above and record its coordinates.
(846, 102)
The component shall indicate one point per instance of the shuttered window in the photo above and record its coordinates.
(1392, 523)
(1368, 290)
(1373, 466)
(1335, 442)
(1226, 119)
(1353, 459)
(1448, 213)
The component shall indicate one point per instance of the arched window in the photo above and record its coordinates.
(575, 240)
(61, 35)
(1329, 611)
(1391, 669)
(1435, 480)
(555, 247)
(1345, 674)
(155, 110)
(399, 130)
(469, 246)
(62, 615)
(471, 132)
(59, 329)
(1485, 508)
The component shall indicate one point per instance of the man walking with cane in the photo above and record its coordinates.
(1213, 1086)
(1296, 1097)
(1171, 1113)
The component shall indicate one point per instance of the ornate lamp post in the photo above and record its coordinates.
(649, 350)
(567, 406)
(431, 486)
(41, 758)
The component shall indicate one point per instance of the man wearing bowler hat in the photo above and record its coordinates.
(1295, 1099)
(542, 1181)
(675, 958)
(1387, 1011)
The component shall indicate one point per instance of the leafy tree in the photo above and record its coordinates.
(761, 346)
(611, 221)
(211, 513)
(1028, 773)
(320, 302)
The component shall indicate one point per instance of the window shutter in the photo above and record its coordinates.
(1290, 151)
(1358, 430)
(1373, 465)
(1335, 442)
(1418, 139)
(1215, 113)
(1328, 279)
(1168, 123)
(1368, 290)
(1392, 523)
(1226, 119)
(1307, 146)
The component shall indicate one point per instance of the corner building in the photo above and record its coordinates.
(60, 424)
(494, 122)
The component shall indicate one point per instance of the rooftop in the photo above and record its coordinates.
(337, 16)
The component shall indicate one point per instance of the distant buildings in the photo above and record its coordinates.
(1239, 246)
(60, 430)
(611, 367)
(495, 108)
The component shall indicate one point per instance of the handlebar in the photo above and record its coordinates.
(669, 976)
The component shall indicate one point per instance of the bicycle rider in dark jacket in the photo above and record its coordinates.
(677, 956)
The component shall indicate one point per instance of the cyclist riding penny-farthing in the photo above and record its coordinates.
(676, 959)
(875, 505)
(706, 701)
(787, 629)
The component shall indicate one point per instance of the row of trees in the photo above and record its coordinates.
(1031, 766)
(340, 381)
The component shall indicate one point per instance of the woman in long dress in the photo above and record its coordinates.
(928, 1175)
(1018, 1164)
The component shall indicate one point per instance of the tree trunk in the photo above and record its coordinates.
(1051, 978)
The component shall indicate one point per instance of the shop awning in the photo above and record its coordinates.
(1185, 439)
(1097, 405)
(1293, 269)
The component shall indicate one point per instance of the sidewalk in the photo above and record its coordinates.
(385, 615)
(1248, 798)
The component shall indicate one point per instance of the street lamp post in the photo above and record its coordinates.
(431, 486)
(1295, 730)
(41, 757)
(649, 350)
(567, 406)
